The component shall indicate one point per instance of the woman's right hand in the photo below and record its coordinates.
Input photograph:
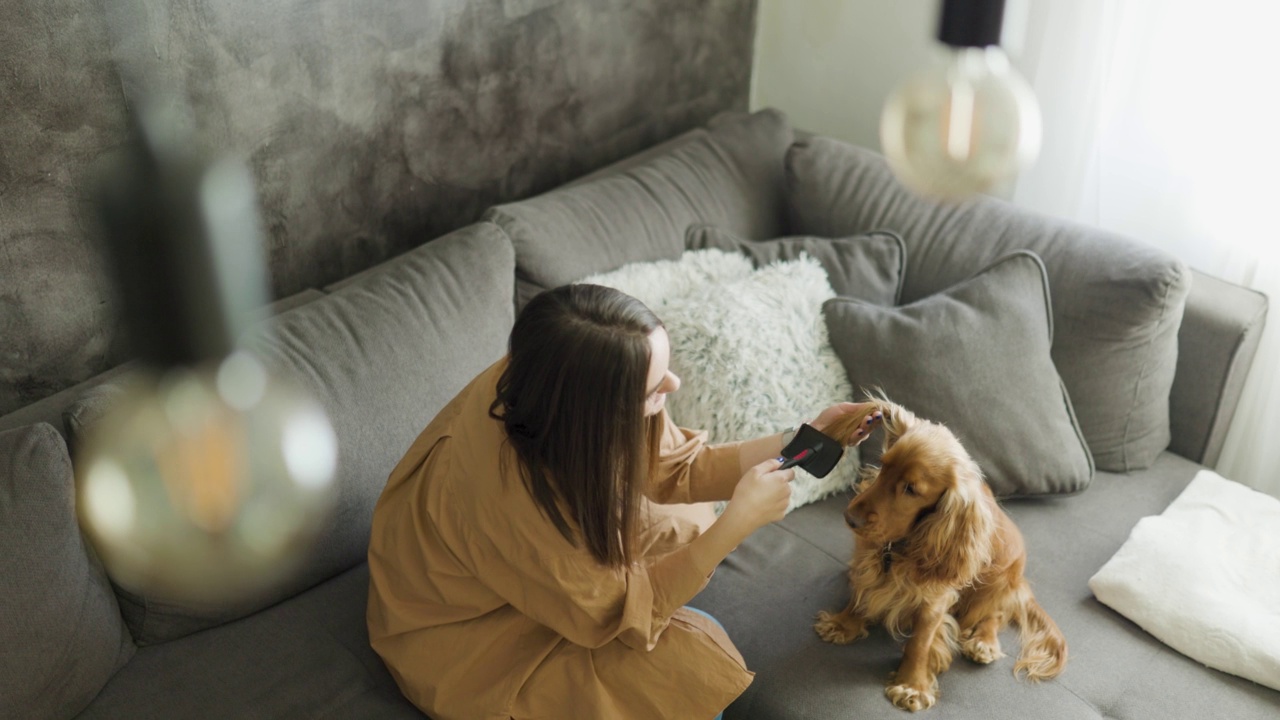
(761, 496)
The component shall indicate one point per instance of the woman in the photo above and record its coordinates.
(521, 562)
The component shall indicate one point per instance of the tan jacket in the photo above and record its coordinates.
(481, 609)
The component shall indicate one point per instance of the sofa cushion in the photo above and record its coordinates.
(61, 630)
(1117, 303)
(870, 267)
(94, 402)
(975, 358)
(766, 595)
(382, 355)
(730, 176)
(53, 408)
(742, 382)
(660, 282)
(86, 403)
(308, 657)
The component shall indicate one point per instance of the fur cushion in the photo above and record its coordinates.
(750, 345)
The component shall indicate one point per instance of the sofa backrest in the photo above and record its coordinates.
(1117, 302)
(729, 174)
(56, 409)
(385, 354)
(382, 355)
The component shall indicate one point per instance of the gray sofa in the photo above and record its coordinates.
(385, 349)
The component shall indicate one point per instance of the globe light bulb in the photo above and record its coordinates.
(966, 126)
(206, 483)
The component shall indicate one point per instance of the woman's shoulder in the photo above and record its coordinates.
(471, 434)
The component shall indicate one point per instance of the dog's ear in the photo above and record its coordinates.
(895, 419)
(867, 475)
(954, 542)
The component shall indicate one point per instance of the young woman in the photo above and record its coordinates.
(522, 564)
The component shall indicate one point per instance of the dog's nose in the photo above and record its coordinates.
(854, 520)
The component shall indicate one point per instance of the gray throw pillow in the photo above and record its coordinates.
(60, 628)
(868, 267)
(383, 355)
(729, 174)
(1117, 302)
(975, 358)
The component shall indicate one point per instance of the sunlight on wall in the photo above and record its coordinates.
(830, 64)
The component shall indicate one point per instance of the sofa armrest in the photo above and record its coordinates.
(1221, 328)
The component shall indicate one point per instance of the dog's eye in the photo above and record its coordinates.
(909, 489)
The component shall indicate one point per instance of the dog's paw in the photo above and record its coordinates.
(831, 628)
(911, 698)
(980, 651)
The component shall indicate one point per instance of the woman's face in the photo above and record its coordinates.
(661, 380)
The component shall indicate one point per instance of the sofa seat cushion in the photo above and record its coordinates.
(767, 593)
(730, 175)
(308, 657)
(1117, 302)
(60, 628)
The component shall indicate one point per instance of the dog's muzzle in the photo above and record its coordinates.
(854, 520)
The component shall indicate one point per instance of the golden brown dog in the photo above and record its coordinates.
(935, 561)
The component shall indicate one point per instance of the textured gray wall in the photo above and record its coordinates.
(372, 126)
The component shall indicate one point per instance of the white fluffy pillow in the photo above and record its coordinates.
(750, 345)
(661, 281)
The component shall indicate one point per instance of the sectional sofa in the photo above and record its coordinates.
(1152, 354)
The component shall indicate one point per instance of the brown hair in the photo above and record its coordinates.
(572, 400)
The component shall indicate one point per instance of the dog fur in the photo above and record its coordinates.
(936, 561)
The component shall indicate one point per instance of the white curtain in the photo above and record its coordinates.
(1162, 122)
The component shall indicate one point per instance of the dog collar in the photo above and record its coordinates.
(886, 557)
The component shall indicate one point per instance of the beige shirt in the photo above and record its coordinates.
(480, 608)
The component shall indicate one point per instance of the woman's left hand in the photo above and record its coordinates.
(846, 409)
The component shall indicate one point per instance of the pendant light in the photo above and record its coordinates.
(208, 476)
(966, 126)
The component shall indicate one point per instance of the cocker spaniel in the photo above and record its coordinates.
(936, 561)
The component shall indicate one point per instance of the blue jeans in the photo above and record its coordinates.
(704, 614)
(708, 616)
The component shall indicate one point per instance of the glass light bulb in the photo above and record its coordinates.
(207, 483)
(961, 129)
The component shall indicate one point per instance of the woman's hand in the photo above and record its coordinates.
(761, 497)
(842, 413)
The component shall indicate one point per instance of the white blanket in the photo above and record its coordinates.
(1204, 577)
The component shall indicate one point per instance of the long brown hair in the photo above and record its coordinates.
(572, 400)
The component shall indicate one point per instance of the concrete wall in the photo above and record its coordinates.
(371, 126)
